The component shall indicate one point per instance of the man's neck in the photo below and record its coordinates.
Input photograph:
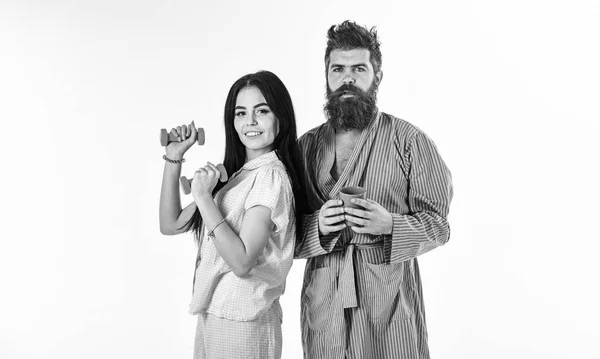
(347, 134)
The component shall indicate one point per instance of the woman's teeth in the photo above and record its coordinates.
(253, 134)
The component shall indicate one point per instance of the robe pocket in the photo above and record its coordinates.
(317, 296)
(385, 296)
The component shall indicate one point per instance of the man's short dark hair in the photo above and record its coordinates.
(349, 36)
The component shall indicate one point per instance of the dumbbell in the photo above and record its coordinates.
(166, 137)
(186, 184)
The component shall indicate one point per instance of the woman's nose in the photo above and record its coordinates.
(251, 119)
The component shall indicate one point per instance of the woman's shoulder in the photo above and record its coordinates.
(273, 171)
(276, 173)
(269, 162)
(269, 186)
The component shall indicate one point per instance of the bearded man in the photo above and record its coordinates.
(362, 294)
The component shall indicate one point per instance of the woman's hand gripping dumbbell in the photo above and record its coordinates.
(179, 140)
(207, 176)
(175, 135)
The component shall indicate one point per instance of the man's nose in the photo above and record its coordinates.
(348, 78)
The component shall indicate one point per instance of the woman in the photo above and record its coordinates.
(245, 227)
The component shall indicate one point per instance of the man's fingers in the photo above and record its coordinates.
(355, 220)
(336, 228)
(332, 203)
(358, 213)
(333, 211)
(333, 220)
(363, 203)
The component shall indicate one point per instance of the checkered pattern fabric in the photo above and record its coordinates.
(218, 338)
(218, 291)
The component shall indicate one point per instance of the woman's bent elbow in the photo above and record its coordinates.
(167, 231)
(242, 271)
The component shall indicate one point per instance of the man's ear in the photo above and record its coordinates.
(379, 76)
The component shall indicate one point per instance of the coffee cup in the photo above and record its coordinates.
(346, 195)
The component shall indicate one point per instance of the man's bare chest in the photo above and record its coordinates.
(344, 147)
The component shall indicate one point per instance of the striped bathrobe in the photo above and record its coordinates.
(362, 294)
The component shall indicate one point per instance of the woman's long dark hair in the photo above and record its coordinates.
(285, 143)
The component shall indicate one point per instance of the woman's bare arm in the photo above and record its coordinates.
(172, 217)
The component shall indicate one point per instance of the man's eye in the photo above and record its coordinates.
(336, 69)
(360, 69)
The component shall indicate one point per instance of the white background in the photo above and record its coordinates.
(508, 90)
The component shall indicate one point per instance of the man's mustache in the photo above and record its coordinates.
(347, 89)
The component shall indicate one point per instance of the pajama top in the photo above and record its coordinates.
(217, 290)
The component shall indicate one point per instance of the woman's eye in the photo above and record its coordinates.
(262, 111)
(241, 113)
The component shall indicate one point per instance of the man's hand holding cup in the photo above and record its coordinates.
(364, 215)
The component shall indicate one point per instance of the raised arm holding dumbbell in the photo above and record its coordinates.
(172, 217)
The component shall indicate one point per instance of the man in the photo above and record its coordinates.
(362, 296)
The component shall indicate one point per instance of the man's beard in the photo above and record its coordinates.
(351, 113)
